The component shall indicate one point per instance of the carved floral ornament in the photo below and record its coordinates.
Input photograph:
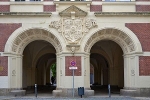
(73, 29)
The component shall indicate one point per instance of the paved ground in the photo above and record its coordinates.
(76, 98)
(46, 94)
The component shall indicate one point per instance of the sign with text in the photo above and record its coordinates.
(72, 67)
(75, 62)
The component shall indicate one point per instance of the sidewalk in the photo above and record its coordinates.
(49, 97)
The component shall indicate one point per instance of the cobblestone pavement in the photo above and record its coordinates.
(88, 98)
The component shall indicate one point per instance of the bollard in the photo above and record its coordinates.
(36, 90)
(109, 90)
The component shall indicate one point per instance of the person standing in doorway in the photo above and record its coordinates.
(52, 80)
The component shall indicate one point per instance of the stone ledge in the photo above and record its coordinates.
(126, 92)
(18, 93)
(88, 93)
(25, 14)
(98, 14)
(57, 93)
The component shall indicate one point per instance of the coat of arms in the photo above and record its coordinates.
(73, 29)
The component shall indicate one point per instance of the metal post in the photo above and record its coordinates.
(36, 90)
(109, 90)
(73, 83)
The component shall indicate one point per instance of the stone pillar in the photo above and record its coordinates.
(129, 75)
(15, 74)
(64, 74)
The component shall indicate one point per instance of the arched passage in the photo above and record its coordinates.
(104, 72)
(129, 46)
(37, 57)
(36, 44)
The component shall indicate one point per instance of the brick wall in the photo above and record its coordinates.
(68, 60)
(95, 8)
(49, 8)
(5, 31)
(142, 8)
(3, 66)
(144, 66)
(142, 0)
(4, 0)
(4, 8)
(142, 31)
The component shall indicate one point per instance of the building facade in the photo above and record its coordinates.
(106, 40)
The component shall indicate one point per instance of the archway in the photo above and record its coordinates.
(107, 73)
(129, 44)
(37, 59)
(17, 44)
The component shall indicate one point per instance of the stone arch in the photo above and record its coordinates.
(129, 44)
(22, 37)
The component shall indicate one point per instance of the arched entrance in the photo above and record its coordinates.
(38, 57)
(129, 46)
(107, 71)
(32, 52)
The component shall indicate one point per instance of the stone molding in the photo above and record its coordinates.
(23, 39)
(125, 42)
(78, 12)
(73, 29)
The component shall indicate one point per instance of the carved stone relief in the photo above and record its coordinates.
(111, 34)
(34, 34)
(73, 29)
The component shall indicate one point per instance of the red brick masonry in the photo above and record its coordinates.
(95, 8)
(142, 8)
(4, 0)
(5, 31)
(142, 0)
(144, 66)
(4, 8)
(49, 8)
(68, 60)
(3, 66)
(142, 31)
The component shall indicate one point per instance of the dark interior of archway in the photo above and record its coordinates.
(38, 56)
(107, 67)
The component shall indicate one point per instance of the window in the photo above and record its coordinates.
(19, 0)
(27, 0)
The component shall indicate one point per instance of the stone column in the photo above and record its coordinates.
(15, 74)
(129, 75)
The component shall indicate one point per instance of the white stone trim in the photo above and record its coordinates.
(3, 81)
(16, 44)
(133, 46)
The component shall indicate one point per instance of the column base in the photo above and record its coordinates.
(128, 92)
(138, 92)
(12, 92)
(16, 93)
(67, 92)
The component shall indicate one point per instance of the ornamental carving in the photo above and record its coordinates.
(73, 29)
(112, 34)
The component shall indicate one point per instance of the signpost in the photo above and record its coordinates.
(73, 63)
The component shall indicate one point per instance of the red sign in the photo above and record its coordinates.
(73, 63)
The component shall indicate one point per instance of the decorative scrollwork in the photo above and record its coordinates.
(57, 25)
(73, 29)
(90, 23)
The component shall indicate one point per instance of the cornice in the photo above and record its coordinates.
(99, 14)
(26, 14)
